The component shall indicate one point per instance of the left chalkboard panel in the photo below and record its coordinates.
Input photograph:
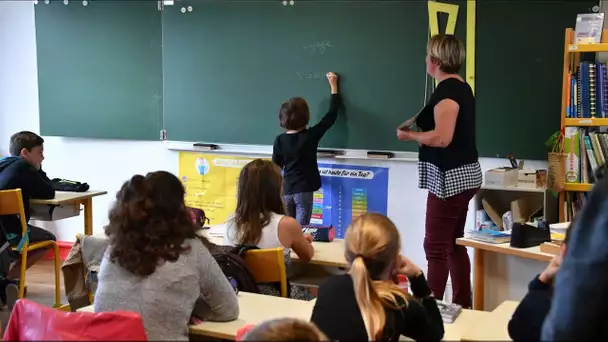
(100, 69)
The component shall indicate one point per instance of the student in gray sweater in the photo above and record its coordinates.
(156, 266)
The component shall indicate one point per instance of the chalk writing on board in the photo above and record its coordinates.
(318, 47)
(309, 75)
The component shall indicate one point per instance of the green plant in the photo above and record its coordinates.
(553, 140)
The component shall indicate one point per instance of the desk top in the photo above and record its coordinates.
(505, 248)
(493, 327)
(463, 323)
(326, 253)
(66, 197)
(257, 308)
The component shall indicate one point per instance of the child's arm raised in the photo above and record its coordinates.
(330, 118)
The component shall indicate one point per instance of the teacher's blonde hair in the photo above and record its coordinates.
(447, 51)
(372, 248)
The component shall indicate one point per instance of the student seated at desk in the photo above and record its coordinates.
(23, 170)
(365, 305)
(156, 266)
(527, 321)
(260, 220)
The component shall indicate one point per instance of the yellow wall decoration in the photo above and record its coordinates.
(435, 8)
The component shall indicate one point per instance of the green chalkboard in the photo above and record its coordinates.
(520, 48)
(100, 69)
(228, 66)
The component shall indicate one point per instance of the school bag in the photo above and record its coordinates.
(230, 260)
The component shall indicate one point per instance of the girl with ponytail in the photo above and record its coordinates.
(365, 304)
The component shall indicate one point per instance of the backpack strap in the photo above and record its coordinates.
(240, 250)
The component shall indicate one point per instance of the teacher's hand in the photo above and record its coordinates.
(404, 135)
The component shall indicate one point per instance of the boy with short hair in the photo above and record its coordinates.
(22, 170)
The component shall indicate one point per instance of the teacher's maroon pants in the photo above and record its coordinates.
(445, 221)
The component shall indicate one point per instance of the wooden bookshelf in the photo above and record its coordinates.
(572, 57)
(577, 187)
(601, 47)
(586, 122)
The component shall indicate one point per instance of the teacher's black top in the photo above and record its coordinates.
(448, 171)
(296, 153)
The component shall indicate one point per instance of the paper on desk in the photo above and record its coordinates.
(217, 230)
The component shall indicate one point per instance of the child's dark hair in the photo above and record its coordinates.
(294, 114)
(24, 140)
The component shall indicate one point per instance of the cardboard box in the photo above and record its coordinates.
(530, 178)
(502, 176)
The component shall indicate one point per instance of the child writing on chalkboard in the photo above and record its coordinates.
(295, 151)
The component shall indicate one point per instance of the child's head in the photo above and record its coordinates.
(372, 249)
(149, 222)
(285, 329)
(259, 195)
(294, 114)
(28, 146)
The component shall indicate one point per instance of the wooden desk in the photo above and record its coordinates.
(326, 253)
(465, 321)
(253, 309)
(75, 198)
(481, 248)
(493, 327)
(256, 308)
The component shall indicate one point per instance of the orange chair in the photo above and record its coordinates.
(268, 266)
(30, 321)
(11, 203)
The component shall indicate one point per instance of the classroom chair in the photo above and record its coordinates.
(31, 321)
(11, 203)
(268, 266)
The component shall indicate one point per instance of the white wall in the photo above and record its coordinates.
(105, 164)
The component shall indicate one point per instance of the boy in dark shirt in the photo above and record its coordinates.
(527, 321)
(295, 151)
(22, 170)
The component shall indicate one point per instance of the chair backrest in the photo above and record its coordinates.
(11, 203)
(30, 321)
(268, 266)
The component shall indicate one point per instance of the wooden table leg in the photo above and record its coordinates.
(478, 279)
(88, 216)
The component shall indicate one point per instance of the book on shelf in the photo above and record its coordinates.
(575, 200)
(489, 236)
(588, 29)
(588, 91)
(449, 312)
(586, 150)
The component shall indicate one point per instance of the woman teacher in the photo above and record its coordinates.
(448, 167)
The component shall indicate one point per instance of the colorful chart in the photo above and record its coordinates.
(211, 182)
(348, 191)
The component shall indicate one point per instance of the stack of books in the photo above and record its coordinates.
(449, 312)
(489, 236)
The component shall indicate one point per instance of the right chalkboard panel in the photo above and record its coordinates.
(519, 63)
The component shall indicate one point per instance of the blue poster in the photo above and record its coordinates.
(346, 192)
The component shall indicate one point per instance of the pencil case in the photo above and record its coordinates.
(320, 233)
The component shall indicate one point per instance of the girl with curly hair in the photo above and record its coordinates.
(156, 266)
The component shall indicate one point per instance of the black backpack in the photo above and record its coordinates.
(231, 262)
